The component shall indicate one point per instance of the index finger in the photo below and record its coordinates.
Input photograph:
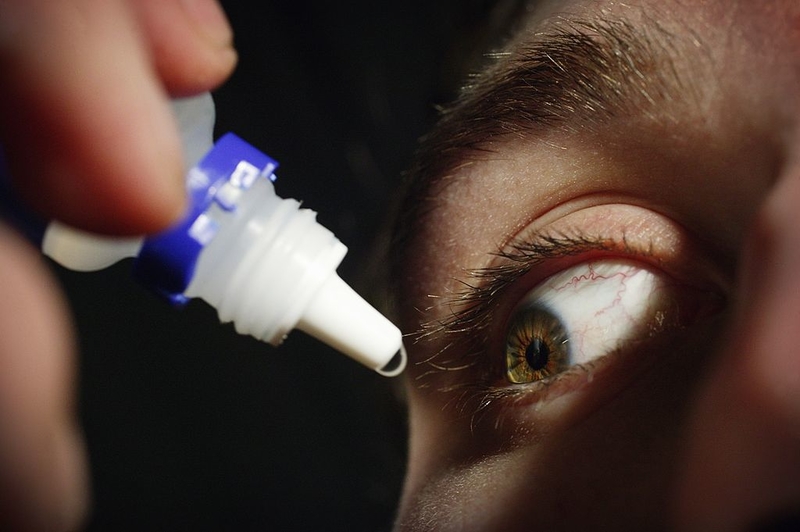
(86, 123)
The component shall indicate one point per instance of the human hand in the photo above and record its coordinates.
(90, 140)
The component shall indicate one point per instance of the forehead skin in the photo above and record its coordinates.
(702, 154)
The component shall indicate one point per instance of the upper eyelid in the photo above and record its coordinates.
(572, 68)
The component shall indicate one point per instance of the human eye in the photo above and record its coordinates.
(567, 301)
(587, 311)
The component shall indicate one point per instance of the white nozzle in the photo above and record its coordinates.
(338, 316)
(272, 268)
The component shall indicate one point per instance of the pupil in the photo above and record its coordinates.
(537, 354)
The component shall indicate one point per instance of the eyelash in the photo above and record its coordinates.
(471, 312)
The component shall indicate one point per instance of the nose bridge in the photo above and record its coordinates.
(742, 464)
(769, 294)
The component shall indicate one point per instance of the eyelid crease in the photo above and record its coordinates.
(575, 74)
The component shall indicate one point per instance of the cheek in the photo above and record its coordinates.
(478, 496)
(570, 486)
(583, 479)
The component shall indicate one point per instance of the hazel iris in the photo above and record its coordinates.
(537, 345)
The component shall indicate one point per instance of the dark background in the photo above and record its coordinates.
(190, 426)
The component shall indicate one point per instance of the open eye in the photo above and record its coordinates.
(586, 312)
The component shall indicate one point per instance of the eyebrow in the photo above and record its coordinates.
(578, 75)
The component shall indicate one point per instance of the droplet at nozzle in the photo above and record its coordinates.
(396, 364)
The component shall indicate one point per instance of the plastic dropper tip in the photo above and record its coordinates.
(396, 365)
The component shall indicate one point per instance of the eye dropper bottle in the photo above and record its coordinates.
(263, 262)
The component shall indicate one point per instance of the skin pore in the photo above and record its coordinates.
(643, 140)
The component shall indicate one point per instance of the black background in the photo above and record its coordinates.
(190, 426)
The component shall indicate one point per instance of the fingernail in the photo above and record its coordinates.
(210, 21)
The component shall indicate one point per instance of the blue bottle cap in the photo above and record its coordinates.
(167, 261)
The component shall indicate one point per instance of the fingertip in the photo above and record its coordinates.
(191, 43)
(110, 162)
(210, 21)
(187, 78)
(125, 177)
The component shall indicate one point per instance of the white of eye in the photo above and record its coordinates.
(602, 305)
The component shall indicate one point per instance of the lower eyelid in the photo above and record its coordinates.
(540, 393)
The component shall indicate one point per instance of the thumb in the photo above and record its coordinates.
(42, 463)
